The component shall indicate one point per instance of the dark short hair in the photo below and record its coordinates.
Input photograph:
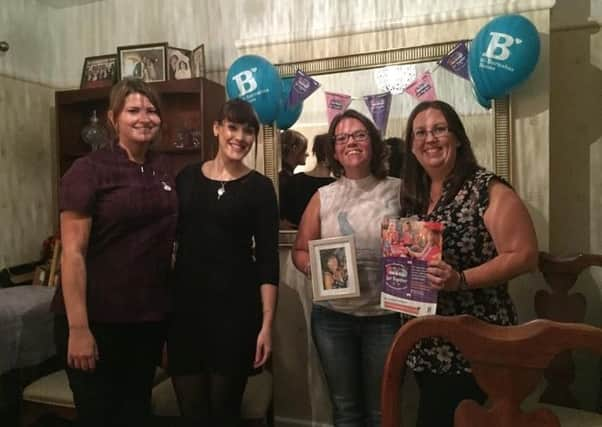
(239, 111)
(415, 189)
(396, 154)
(122, 89)
(320, 147)
(378, 163)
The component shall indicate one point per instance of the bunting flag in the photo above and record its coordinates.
(456, 60)
(336, 103)
(303, 86)
(379, 106)
(423, 88)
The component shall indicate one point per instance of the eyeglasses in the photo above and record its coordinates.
(437, 132)
(358, 136)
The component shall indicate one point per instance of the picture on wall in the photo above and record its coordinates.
(178, 64)
(99, 71)
(198, 62)
(147, 61)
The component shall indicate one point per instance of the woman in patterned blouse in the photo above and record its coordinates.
(488, 240)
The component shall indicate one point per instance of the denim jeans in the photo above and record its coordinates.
(353, 350)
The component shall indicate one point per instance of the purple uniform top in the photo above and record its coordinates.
(134, 211)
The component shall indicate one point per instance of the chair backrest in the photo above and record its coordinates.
(561, 304)
(507, 362)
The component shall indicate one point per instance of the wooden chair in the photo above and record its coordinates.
(508, 363)
(561, 304)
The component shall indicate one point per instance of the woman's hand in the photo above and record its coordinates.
(264, 347)
(82, 352)
(442, 276)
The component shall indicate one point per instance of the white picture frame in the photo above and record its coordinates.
(333, 268)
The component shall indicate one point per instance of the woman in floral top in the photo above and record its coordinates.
(488, 239)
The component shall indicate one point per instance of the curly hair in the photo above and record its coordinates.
(378, 162)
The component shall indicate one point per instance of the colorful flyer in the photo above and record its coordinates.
(407, 246)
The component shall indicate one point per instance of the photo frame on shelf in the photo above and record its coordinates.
(333, 268)
(178, 63)
(145, 61)
(99, 71)
(198, 62)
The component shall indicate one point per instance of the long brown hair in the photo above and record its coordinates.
(416, 184)
(378, 163)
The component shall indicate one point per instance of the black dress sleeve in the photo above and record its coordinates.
(266, 232)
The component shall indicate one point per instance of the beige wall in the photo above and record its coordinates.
(575, 157)
(27, 169)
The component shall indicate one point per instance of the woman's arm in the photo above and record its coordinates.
(328, 280)
(82, 352)
(513, 234)
(267, 262)
(309, 229)
(269, 296)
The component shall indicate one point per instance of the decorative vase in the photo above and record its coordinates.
(94, 134)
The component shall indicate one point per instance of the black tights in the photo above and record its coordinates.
(210, 399)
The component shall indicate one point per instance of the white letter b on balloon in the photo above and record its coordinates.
(245, 82)
(498, 46)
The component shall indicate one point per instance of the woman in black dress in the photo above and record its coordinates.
(226, 274)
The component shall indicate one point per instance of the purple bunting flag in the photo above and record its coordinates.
(456, 60)
(303, 86)
(379, 106)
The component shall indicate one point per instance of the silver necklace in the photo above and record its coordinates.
(221, 190)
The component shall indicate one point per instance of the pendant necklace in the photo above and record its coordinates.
(221, 190)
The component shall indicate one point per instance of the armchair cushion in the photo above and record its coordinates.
(255, 403)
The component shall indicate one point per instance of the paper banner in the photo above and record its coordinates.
(456, 60)
(423, 88)
(303, 86)
(394, 78)
(336, 103)
(379, 106)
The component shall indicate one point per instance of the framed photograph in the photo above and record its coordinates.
(333, 268)
(178, 64)
(145, 61)
(198, 62)
(99, 71)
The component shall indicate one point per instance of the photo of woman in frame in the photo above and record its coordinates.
(334, 267)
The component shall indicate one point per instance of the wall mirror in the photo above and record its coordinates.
(356, 75)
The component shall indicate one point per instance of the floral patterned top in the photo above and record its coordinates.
(466, 244)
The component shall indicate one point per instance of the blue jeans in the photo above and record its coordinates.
(353, 350)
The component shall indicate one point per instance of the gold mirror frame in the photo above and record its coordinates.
(502, 117)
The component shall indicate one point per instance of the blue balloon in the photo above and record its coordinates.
(287, 115)
(254, 79)
(502, 55)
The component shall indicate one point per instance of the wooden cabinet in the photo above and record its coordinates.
(189, 108)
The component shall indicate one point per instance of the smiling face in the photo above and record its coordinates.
(437, 155)
(138, 121)
(332, 264)
(355, 153)
(234, 139)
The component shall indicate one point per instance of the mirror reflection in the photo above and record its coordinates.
(300, 161)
